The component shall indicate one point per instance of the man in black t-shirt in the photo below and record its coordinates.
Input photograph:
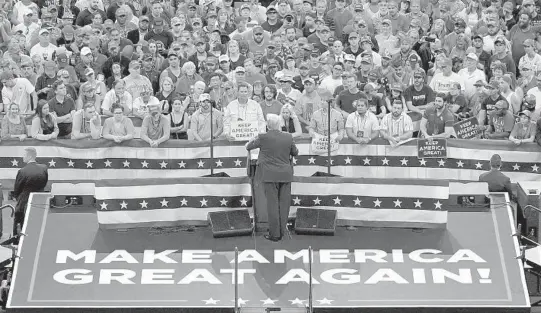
(419, 95)
(489, 104)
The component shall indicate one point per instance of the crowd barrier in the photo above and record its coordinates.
(94, 160)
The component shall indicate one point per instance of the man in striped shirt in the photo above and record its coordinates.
(396, 126)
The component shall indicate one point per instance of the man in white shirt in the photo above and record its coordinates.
(17, 90)
(28, 26)
(141, 104)
(396, 126)
(362, 125)
(443, 81)
(471, 74)
(243, 109)
(44, 48)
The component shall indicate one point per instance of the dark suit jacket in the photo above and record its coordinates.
(31, 178)
(497, 181)
(276, 149)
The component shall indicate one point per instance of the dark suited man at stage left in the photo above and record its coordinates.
(276, 172)
(497, 181)
(31, 178)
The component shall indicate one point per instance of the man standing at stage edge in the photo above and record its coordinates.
(275, 170)
(31, 178)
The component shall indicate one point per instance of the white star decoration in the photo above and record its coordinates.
(144, 164)
(223, 202)
(163, 164)
(460, 164)
(89, 164)
(144, 204)
(238, 162)
(441, 162)
(103, 206)
(294, 159)
(317, 201)
(71, 163)
(200, 164)
(357, 201)
(52, 163)
(311, 160)
(478, 165)
(438, 205)
(423, 162)
(535, 168)
(366, 161)
(211, 301)
(164, 203)
(243, 202)
(404, 162)
(14, 163)
(418, 203)
(297, 301)
(337, 200)
(397, 203)
(516, 167)
(124, 205)
(377, 203)
(325, 301)
(347, 160)
(219, 163)
(385, 161)
(268, 301)
(203, 202)
(107, 163)
(296, 201)
(241, 301)
(126, 163)
(181, 164)
(183, 202)
(326, 161)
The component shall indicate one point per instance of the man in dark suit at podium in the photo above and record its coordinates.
(497, 181)
(274, 162)
(31, 178)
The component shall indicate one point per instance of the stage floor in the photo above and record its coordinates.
(468, 267)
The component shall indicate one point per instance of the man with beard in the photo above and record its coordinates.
(290, 44)
(437, 121)
(501, 54)
(258, 41)
(501, 122)
(116, 38)
(362, 125)
(304, 72)
(396, 126)
(200, 125)
(519, 34)
(319, 38)
(307, 103)
(273, 23)
(270, 57)
(494, 32)
(159, 33)
(122, 22)
(85, 17)
(449, 42)
(531, 8)
(419, 95)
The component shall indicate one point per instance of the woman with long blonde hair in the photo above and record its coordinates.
(289, 121)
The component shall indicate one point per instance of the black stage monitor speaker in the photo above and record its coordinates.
(315, 222)
(230, 223)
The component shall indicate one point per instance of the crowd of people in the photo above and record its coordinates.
(189, 70)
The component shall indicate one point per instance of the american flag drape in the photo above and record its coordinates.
(359, 202)
(89, 161)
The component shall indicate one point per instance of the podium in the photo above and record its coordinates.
(259, 200)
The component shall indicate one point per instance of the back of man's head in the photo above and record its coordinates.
(273, 122)
(496, 161)
(31, 154)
